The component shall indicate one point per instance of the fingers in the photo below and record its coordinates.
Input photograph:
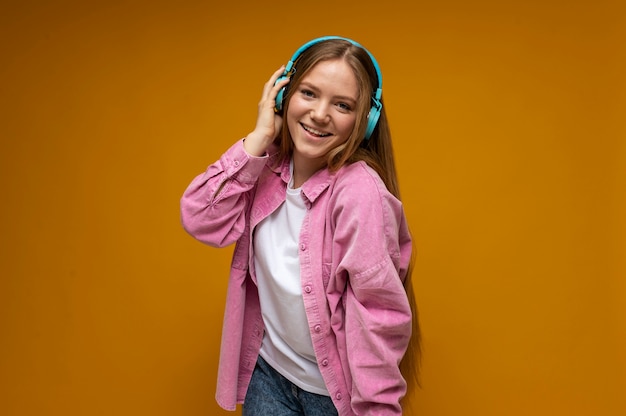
(268, 123)
(277, 74)
(271, 88)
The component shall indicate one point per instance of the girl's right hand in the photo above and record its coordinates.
(268, 123)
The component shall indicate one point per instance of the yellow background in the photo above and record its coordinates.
(508, 119)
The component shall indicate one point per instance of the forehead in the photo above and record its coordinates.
(333, 76)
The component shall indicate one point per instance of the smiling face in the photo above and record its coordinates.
(321, 113)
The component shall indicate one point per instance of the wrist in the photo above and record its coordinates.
(255, 145)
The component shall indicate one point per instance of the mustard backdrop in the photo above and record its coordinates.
(508, 119)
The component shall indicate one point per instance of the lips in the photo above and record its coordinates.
(315, 132)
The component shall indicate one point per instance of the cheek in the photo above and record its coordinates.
(294, 110)
(290, 117)
(347, 125)
(296, 102)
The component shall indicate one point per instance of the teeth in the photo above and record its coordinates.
(316, 132)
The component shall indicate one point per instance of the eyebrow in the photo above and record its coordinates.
(339, 97)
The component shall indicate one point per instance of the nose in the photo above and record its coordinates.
(320, 112)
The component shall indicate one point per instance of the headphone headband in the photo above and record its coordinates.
(374, 114)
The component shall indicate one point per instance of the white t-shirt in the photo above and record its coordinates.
(287, 344)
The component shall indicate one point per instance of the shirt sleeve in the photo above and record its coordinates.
(213, 207)
(373, 243)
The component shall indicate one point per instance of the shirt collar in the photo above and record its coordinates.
(313, 187)
(317, 184)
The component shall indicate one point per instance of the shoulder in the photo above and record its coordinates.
(364, 215)
(360, 177)
(359, 174)
(361, 186)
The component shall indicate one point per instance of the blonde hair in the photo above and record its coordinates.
(377, 152)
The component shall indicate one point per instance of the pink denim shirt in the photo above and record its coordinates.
(355, 248)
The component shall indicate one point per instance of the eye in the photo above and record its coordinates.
(344, 107)
(307, 93)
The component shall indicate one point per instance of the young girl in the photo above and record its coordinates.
(319, 310)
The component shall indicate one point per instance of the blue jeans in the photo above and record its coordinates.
(271, 394)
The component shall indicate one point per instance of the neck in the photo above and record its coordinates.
(303, 169)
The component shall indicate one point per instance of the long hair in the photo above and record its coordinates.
(377, 152)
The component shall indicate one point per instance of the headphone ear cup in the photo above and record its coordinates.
(280, 97)
(372, 120)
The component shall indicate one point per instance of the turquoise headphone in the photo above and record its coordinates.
(374, 114)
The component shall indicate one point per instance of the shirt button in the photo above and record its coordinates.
(302, 247)
(324, 363)
(338, 396)
(317, 328)
(307, 289)
(236, 163)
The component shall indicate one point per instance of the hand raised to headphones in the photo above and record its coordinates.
(268, 123)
